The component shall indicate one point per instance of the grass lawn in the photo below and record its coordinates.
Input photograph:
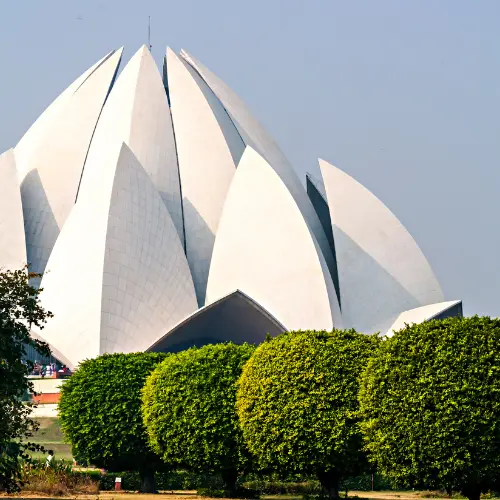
(51, 437)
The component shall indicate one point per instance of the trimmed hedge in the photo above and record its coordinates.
(297, 402)
(189, 410)
(430, 404)
(100, 412)
(173, 480)
(252, 483)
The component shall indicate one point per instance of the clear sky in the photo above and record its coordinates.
(402, 95)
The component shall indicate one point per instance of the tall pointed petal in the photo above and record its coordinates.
(28, 145)
(255, 135)
(265, 248)
(118, 277)
(208, 149)
(382, 271)
(138, 114)
(12, 242)
(54, 168)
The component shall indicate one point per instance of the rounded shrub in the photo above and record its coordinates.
(100, 413)
(430, 400)
(297, 403)
(189, 410)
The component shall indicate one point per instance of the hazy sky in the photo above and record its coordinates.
(402, 95)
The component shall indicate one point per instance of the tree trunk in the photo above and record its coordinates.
(330, 482)
(473, 493)
(229, 476)
(148, 481)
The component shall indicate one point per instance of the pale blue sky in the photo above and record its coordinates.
(402, 95)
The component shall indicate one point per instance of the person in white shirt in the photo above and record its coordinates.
(50, 457)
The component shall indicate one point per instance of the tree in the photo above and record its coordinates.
(297, 404)
(19, 310)
(189, 410)
(100, 413)
(430, 400)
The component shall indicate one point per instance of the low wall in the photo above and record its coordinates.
(45, 410)
(47, 385)
(44, 399)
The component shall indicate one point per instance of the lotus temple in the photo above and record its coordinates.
(163, 215)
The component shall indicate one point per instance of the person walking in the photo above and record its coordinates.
(50, 458)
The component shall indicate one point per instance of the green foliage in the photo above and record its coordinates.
(297, 403)
(430, 399)
(239, 492)
(19, 310)
(189, 409)
(165, 480)
(100, 411)
(274, 485)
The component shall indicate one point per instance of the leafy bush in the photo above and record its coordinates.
(57, 480)
(297, 485)
(189, 410)
(364, 483)
(100, 413)
(297, 404)
(430, 399)
(239, 492)
(20, 310)
(167, 480)
(267, 487)
(63, 479)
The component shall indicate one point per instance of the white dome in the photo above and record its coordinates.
(163, 214)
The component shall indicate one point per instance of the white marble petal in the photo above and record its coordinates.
(117, 278)
(256, 136)
(265, 248)
(29, 143)
(426, 313)
(12, 242)
(382, 271)
(55, 166)
(138, 114)
(151, 116)
(208, 148)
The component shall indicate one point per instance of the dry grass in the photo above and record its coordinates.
(112, 495)
(57, 481)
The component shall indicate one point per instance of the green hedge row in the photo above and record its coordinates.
(173, 480)
(265, 485)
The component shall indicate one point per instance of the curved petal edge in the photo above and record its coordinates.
(118, 277)
(382, 271)
(257, 137)
(54, 167)
(208, 146)
(265, 248)
(12, 240)
(440, 310)
(234, 318)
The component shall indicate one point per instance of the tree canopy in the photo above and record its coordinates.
(189, 410)
(20, 309)
(297, 403)
(430, 400)
(100, 413)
